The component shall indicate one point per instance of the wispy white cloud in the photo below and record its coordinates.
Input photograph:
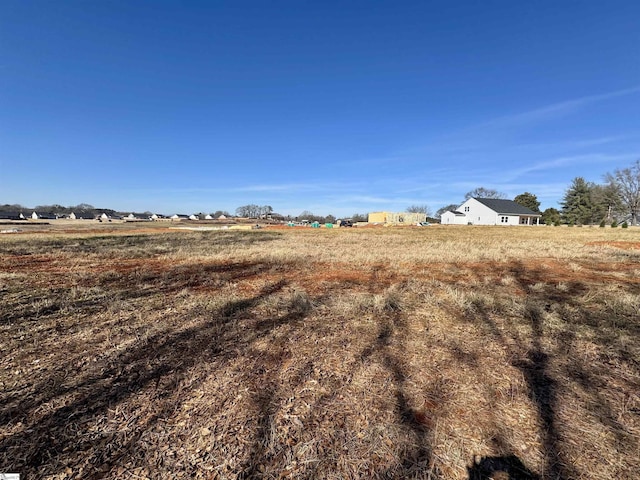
(284, 187)
(252, 188)
(501, 133)
(560, 162)
(575, 144)
(502, 153)
(556, 109)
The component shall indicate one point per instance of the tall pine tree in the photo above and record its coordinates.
(577, 205)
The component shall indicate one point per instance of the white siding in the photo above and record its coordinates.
(476, 213)
(508, 220)
(479, 214)
(450, 218)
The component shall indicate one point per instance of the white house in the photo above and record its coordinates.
(490, 211)
(34, 216)
(453, 217)
(72, 216)
(12, 216)
(208, 217)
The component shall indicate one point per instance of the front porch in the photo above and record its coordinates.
(529, 220)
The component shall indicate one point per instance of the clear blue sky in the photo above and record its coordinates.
(332, 107)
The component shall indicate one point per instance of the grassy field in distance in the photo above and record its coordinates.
(438, 352)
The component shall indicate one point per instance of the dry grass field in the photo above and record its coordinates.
(434, 353)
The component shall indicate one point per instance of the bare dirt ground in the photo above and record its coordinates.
(444, 353)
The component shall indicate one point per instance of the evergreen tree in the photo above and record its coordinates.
(606, 202)
(551, 216)
(577, 205)
(528, 200)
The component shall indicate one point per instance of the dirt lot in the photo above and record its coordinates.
(438, 352)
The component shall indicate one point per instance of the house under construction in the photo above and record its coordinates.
(397, 218)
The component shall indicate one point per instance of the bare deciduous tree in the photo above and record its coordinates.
(253, 211)
(482, 192)
(420, 209)
(627, 183)
(453, 207)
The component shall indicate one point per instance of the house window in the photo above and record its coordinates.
(504, 219)
(466, 209)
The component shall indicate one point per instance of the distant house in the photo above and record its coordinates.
(222, 217)
(154, 217)
(11, 216)
(131, 216)
(490, 211)
(179, 216)
(104, 217)
(44, 216)
(208, 217)
(72, 216)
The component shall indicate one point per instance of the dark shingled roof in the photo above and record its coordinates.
(506, 206)
(10, 215)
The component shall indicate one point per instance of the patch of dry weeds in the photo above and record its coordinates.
(381, 353)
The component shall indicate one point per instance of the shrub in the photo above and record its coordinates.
(602, 224)
(614, 224)
(625, 225)
(556, 223)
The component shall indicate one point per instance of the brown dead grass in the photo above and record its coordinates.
(619, 244)
(387, 353)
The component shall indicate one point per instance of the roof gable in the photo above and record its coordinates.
(506, 206)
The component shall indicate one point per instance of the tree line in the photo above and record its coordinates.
(61, 209)
(615, 200)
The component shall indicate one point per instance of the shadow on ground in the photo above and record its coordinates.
(54, 425)
(546, 358)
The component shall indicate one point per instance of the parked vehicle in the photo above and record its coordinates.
(346, 223)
